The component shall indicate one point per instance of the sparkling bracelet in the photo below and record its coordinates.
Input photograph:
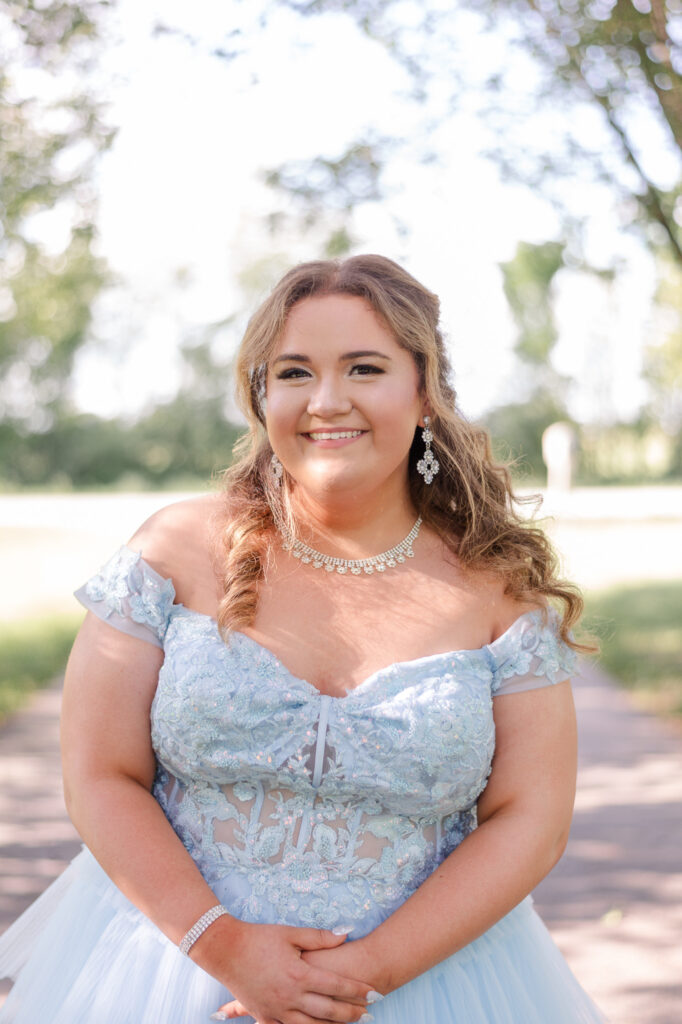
(200, 927)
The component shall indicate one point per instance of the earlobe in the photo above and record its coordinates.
(426, 411)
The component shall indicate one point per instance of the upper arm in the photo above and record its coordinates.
(109, 686)
(534, 766)
(113, 670)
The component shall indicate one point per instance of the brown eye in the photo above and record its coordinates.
(292, 373)
(365, 369)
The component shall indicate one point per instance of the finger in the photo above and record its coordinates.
(299, 1017)
(323, 1008)
(228, 1011)
(328, 983)
(320, 938)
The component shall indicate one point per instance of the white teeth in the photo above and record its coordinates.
(333, 435)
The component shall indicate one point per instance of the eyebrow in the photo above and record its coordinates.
(295, 357)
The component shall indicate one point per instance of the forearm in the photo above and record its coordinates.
(491, 871)
(128, 833)
(259, 964)
(524, 814)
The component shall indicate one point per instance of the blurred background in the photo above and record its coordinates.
(162, 164)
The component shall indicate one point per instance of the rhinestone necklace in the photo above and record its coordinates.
(356, 566)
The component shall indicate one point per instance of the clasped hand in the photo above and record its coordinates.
(284, 975)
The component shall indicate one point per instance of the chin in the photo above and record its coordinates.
(335, 484)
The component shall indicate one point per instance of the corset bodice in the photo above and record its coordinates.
(303, 808)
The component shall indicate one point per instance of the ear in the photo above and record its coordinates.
(426, 411)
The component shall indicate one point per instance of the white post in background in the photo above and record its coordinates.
(559, 447)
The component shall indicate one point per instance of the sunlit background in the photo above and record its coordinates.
(161, 164)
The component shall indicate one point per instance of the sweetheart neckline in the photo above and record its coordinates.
(485, 649)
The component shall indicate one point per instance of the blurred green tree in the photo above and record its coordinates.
(528, 281)
(663, 361)
(324, 192)
(181, 443)
(623, 58)
(516, 430)
(602, 81)
(539, 391)
(190, 436)
(618, 60)
(52, 130)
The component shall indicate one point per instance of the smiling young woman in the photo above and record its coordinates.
(318, 729)
(337, 369)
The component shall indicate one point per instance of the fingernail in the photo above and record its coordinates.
(343, 929)
(365, 1019)
(374, 997)
(218, 1015)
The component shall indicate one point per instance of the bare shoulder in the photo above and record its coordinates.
(503, 608)
(178, 541)
(511, 609)
(473, 594)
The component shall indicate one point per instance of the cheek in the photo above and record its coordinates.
(281, 411)
(397, 405)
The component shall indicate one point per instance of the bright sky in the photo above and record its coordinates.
(181, 193)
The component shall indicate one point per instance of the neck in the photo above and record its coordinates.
(353, 526)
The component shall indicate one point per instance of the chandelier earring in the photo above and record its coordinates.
(428, 465)
(276, 469)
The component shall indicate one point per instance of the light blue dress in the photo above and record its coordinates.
(298, 809)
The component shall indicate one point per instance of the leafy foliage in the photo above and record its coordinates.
(517, 428)
(52, 130)
(663, 358)
(325, 191)
(181, 443)
(624, 58)
(528, 281)
(618, 60)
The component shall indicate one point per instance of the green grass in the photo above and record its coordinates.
(640, 630)
(32, 653)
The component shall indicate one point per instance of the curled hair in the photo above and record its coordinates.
(469, 504)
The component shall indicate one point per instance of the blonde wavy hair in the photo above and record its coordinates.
(469, 504)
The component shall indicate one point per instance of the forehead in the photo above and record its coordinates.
(329, 321)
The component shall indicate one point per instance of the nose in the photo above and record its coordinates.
(329, 397)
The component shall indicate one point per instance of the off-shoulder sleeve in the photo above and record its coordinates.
(530, 655)
(129, 595)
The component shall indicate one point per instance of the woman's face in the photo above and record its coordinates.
(343, 398)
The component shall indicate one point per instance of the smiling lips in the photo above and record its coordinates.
(333, 435)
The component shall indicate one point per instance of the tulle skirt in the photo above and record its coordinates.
(83, 954)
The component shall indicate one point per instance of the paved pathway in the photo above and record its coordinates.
(37, 840)
(614, 903)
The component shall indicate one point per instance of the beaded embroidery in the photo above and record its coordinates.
(306, 809)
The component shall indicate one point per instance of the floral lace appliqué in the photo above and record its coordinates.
(126, 586)
(534, 648)
(299, 808)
